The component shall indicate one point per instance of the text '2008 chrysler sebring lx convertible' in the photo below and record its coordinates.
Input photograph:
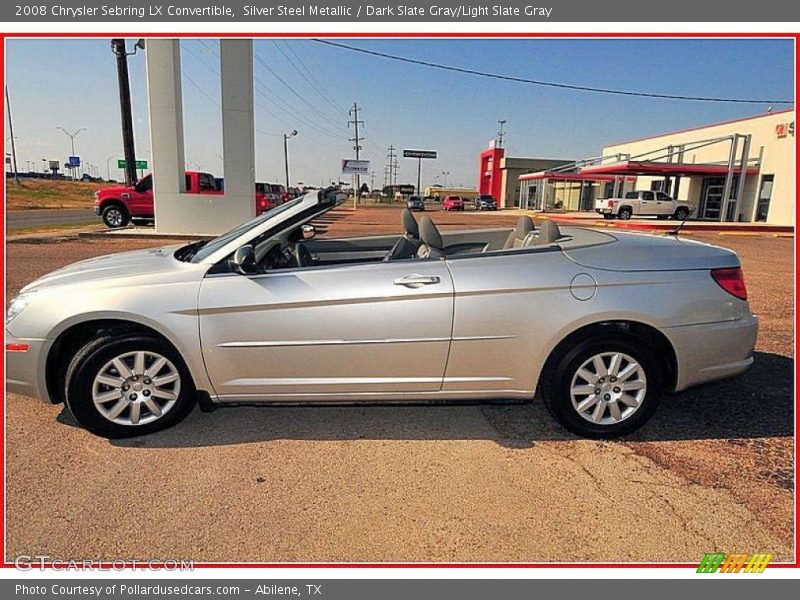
(602, 324)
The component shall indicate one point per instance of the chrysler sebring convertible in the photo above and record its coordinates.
(598, 324)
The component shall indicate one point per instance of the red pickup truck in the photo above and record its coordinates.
(119, 204)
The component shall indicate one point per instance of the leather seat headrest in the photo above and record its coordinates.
(548, 233)
(409, 224)
(523, 228)
(430, 235)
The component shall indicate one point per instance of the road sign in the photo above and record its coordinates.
(140, 164)
(419, 154)
(74, 161)
(354, 167)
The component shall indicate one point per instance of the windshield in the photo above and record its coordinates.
(201, 252)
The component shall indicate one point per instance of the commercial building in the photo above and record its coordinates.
(499, 174)
(741, 170)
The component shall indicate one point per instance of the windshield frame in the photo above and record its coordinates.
(227, 243)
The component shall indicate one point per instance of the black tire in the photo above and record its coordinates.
(88, 362)
(115, 215)
(557, 380)
(681, 213)
(625, 213)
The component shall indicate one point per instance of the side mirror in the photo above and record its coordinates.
(309, 231)
(243, 261)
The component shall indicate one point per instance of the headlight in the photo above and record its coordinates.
(18, 304)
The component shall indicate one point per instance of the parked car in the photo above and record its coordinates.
(415, 203)
(453, 203)
(117, 205)
(601, 322)
(274, 192)
(485, 202)
(644, 203)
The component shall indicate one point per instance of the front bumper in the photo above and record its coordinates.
(713, 351)
(25, 370)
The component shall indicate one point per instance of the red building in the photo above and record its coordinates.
(490, 178)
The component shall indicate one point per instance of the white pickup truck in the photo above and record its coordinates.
(643, 203)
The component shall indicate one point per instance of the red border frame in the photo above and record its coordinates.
(419, 35)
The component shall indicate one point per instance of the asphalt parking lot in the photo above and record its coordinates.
(713, 471)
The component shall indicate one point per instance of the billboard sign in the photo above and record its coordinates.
(355, 167)
(419, 154)
(74, 161)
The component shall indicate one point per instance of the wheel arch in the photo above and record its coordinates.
(72, 336)
(656, 339)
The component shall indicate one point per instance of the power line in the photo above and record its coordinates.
(310, 79)
(292, 90)
(553, 84)
(277, 101)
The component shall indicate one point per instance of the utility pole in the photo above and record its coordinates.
(286, 137)
(357, 140)
(392, 165)
(13, 143)
(501, 133)
(120, 51)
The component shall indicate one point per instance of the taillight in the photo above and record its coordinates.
(731, 280)
(610, 204)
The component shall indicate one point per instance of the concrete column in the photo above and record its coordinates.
(238, 137)
(176, 211)
(165, 102)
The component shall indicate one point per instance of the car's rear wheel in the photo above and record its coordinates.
(625, 213)
(606, 386)
(127, 385)
(115, 216)
(681, 213)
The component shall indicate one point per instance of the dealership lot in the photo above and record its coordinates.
(712, 471)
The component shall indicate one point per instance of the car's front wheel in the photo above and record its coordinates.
(125, 385)
(115, 215)
(606, 386)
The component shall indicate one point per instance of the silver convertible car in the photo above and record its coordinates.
(600, 323)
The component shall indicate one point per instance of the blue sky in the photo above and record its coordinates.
(73, 83)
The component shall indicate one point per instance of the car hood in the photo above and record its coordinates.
(113, 269)
(114, 190)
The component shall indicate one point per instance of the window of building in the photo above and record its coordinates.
(764, 196)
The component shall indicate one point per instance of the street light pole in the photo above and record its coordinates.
(445, 173)
(286, 137)
(72, 137)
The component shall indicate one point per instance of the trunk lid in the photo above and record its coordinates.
(648, 252)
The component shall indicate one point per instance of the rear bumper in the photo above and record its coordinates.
(713, 351)
(603, 211)
(25, 370)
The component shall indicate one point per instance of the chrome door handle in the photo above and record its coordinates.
(414, 280)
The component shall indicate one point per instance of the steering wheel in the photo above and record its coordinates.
(302, 257)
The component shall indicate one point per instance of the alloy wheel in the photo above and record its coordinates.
(114, 217)
(608, 388)
(136, 388)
